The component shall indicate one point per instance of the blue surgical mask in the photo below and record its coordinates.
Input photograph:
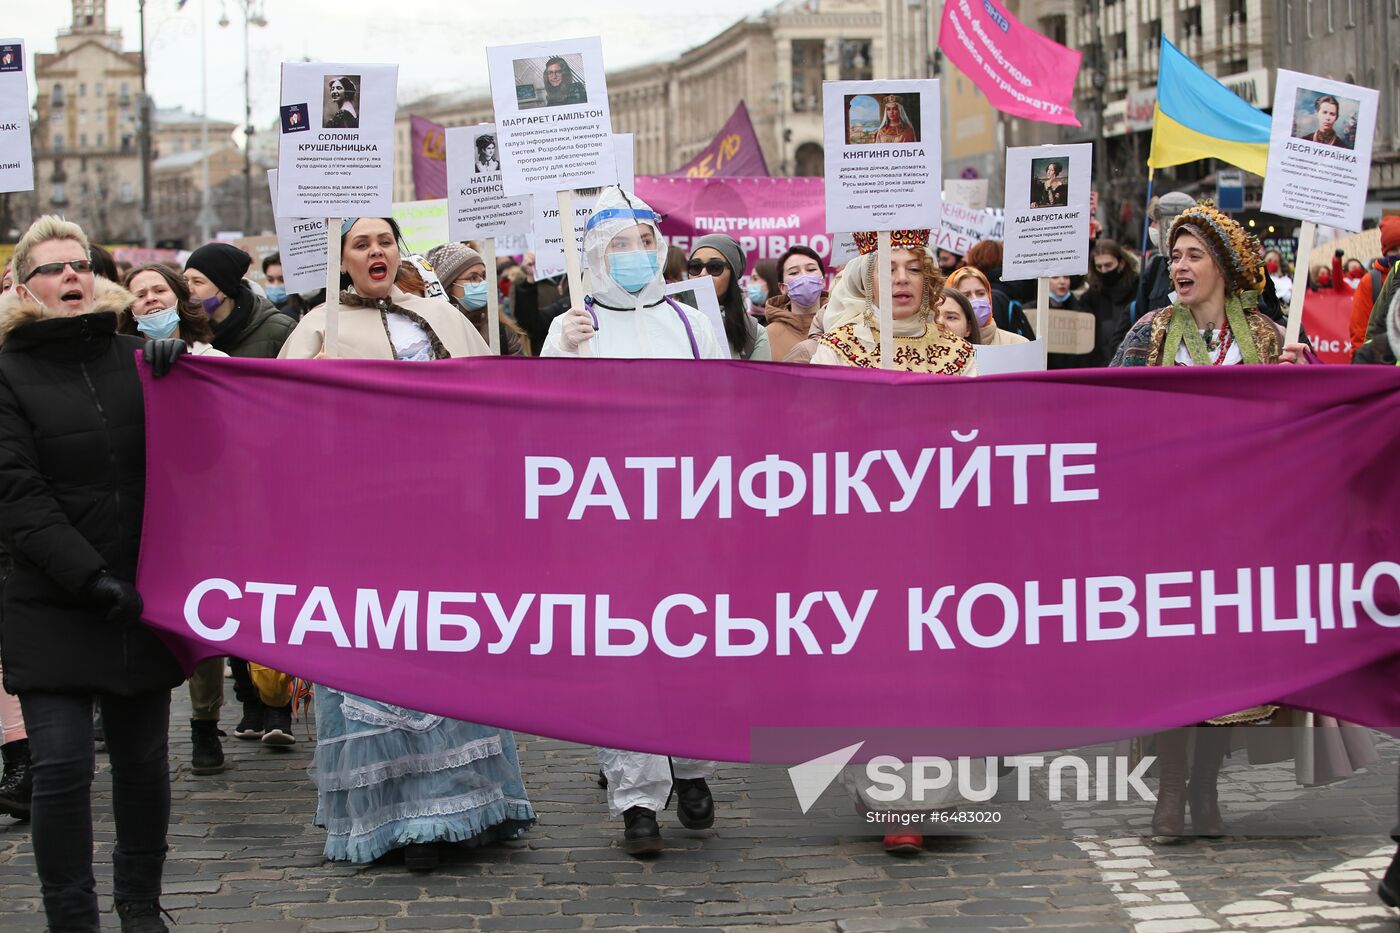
(632, 270)
(757, 293)
(211, 304)
(474, 296)
(159, 324)
(1059, 297)
(276, 294)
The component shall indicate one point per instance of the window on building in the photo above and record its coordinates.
(57, 96)
(97, 89)
(82, 90)
(82, 140)
(1191, 22)
(1056, 27)
(57, 142)
(126, 142)
(855, 60)
(1118, 46)
(1238, 11)
(100, 140)
(1234, 67)
(808, 71)
(60, 194)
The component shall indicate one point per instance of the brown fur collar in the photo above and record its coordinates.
(17, 310)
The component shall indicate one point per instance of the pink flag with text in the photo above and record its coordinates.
(1022, 72)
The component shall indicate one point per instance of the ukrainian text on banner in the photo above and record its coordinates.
(629, 531)
(429, 143)
(1022, 72)
(733, 151)
(765, 215)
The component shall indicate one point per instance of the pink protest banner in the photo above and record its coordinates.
(765, 215)
(1022, 72)
(734, 151)
(645, 559)
(429, 145)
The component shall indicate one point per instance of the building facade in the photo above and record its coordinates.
(87, 159)
(1356, 41)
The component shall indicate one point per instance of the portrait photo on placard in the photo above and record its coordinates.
(1320, 117)
(1049, 185)
(342, 103)
(883, 118)
(554, 81)
(486, 159)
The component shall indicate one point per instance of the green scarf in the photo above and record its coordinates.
(1182, 328)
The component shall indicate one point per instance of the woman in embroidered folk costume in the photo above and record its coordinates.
(921, 345)
(1217, 273)
(389, 777)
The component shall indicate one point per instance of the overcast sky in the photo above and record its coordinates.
(439, 45)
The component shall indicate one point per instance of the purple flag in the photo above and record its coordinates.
(733, 151)
(648, 547)
(429, 158)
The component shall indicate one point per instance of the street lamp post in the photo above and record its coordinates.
(144, 105)
(252, 16)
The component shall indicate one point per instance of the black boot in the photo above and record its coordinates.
(1212, 744)
(250, 727)
(640, 834)
(1389, 888)
(17, 781)
(421, 856)
(694, 803)
(1169, 816)
(208, 755)
(142, 917)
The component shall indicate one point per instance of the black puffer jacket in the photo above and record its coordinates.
(72, 487)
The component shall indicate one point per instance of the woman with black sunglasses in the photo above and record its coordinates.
(73, 475)
(718, 257)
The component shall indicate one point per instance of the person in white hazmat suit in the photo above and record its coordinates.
(628, 316)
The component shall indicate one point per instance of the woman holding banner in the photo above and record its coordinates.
(388, 777)
(921, 345)
(1217, 274)
(629, 316)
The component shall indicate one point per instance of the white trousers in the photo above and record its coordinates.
(641, 779)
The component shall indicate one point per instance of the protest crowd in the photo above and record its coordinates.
(83, 671)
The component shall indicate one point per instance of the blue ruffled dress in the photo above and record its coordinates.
(387, 777)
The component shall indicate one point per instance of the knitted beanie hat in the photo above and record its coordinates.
(1234, 249)
(223, 264)
(451, 260)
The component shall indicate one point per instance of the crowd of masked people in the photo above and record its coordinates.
(80, 667)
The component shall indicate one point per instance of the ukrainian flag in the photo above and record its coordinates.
(1197, 117)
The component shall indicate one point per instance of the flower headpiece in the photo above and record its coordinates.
(869, 241)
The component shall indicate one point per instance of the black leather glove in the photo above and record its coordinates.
(120, 598)
(162, 354)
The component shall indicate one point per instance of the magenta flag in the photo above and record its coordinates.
(1022, 72)
(429, 143)
(734, 151)
(664, 555)
(765, 215)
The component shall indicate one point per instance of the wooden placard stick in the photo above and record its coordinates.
(886, 306)
(571, 263)
(331, 344)
(493, 297)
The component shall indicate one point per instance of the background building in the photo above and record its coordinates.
(87, 161)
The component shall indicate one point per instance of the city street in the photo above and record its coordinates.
(244, 856)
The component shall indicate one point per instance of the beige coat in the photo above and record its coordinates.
(993, 336)
(364, 336)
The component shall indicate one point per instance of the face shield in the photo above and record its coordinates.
(625, 251)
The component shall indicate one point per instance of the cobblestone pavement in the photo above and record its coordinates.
(244, 856)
